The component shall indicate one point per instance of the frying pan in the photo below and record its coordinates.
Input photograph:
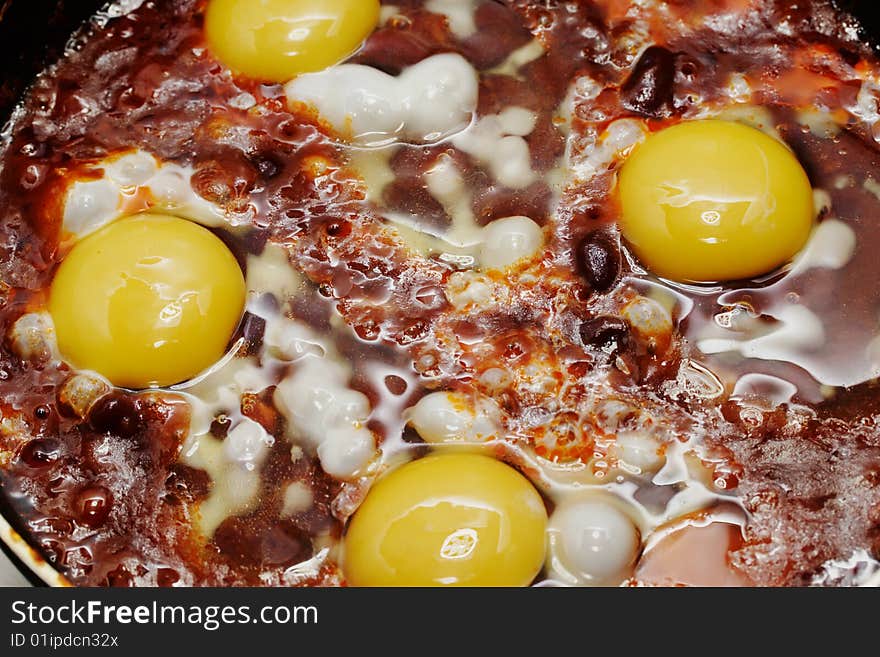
(33, 34)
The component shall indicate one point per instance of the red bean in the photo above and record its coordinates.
(40, 453)
(220, 426)
(604, 331)
(93, 505)
(252, 330)
(650, 87)
(120, 414)
(599, 260)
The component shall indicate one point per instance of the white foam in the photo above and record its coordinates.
(599, 153)
(387, 13)
(591, 542)
(638, 451)
(510, 240)
(466, 289)
(298, 497)
(449, 417)
(271, 272)
(496, 141)
(799, 329)
(235, 489)
(459, 15)
(346, 451)
(32, 337)
(428, 102)
(523, 55)
(831, 246)
(445, 183)
(92, 204)
(247, 443)
(82, 390)
(327, 415)
(131, 170)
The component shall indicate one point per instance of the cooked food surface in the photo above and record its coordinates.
(448, 292)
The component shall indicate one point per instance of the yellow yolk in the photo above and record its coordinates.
(709, 201)
(448, 520)
(149, 300)
(276, 40)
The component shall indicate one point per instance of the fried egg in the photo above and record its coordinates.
(276, 40)
(448, 520)
(709, 201)
(149, 300)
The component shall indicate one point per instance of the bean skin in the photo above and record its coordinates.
(598, 258)
(650, 87)
(605, 330)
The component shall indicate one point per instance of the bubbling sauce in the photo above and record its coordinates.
(738, 417)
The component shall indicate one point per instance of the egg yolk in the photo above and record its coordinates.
(448, 520)
(709, 201)
(149, 300)
(276, 40)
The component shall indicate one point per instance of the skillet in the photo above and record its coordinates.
(33, 34)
